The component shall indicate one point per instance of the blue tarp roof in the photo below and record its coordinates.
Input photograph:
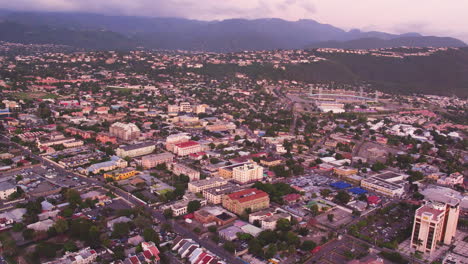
(357, 190)
(340, 185)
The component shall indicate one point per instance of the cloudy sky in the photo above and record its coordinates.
(429, 17)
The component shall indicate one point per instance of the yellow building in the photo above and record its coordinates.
(123, 174)
(344, 171)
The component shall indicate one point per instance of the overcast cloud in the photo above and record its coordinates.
(429, 17)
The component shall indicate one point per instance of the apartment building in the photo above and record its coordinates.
(199, 186)
(435, 223)
(252, 199)
(246, 173)
(179, 169)
(215, 195)
(124, 131)
(227, 171)
(151, 161)
(136, 150)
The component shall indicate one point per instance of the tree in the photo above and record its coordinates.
(73, 197)
(28, 234)
(193, 206)
(342, 197)
(378, 166)
(283, 224)
(308, 245)
(271, 251)
(325, 192)
(61, 226)
(255, 247)
(168, 213)
(330, 217)
(121, 230)
(229, 246)
(150, 235)
(70, 246)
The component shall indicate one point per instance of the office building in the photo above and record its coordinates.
(435, 223)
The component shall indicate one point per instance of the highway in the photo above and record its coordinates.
(178, 228)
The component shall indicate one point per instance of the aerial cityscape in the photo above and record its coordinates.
(151, 139)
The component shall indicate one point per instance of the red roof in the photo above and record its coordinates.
(186, 144)
(291, 197)
(247, 195)
(189, 216)
(134, 260)
(373, 199)
(315, 250)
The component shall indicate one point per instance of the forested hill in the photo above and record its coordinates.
(443, 73)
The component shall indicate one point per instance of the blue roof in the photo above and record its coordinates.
(357, 190)
(340, 185)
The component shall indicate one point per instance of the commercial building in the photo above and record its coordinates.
(114, 163)
(227, 171)
(121, 174)
(187, 148)
(345, 171)
(249, 172)
(217, 215)
(435, 223)
(199, 186)
(268, 218)
(387, 183)
(6, 189)
(124, 131)
(171, 140)
(136, 150)
(252, 199)
(151, 161)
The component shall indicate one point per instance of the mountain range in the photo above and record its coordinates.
(94, 31)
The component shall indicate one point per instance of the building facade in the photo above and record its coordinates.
(151, 161)
(240, 201)
(247, 173)
(124, 131)
(434, 223)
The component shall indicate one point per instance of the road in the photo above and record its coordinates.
(179, 229)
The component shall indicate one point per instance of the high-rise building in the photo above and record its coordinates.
(435, 223)
(249, 172)
(124, 131)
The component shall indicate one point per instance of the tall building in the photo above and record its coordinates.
(249, 172)
(433, 223)
(124, 131)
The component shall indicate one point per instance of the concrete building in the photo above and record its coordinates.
(171, 140)
(6, 189)
(252, 199)
(124, 131)
(249, 172)
(114, 163)
(122, 174)
(84, 256)
(187, 148)
(199, 186)
(180, 207)
(387, 183)
(215, 195)
(151, 161)
(434, 223)
(136, 150)
(179, 169)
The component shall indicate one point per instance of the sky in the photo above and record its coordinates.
(428, 17)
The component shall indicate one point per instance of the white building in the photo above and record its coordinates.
(249, 172)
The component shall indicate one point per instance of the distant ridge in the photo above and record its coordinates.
(375, 43)
(94, 31)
